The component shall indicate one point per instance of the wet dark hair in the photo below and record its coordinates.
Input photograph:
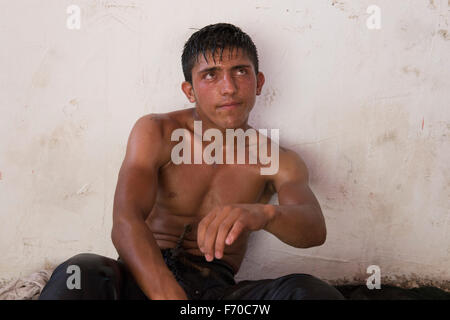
(216, 37)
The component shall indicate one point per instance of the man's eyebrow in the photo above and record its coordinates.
(241, 66)
(217, 68)
(209, 69)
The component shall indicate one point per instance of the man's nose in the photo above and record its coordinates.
(228, 86)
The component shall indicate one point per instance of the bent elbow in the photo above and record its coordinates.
(318, 238)
(322, 236)
(321, 239)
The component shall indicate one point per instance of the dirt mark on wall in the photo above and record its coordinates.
(444, 34)
(413, 70)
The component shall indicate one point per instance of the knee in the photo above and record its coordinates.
(90, 264)
(81, 276)
(308, 287)
(86, 261)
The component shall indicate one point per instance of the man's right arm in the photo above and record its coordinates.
(133, 201)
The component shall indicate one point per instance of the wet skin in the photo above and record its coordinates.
(223, 203)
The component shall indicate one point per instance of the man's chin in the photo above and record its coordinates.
(231, 123)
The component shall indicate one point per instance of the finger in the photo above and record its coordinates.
(211, 232)
(202, 227)
(210, 239)
(224, 229)
(235, 231)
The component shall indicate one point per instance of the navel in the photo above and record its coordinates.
(172, 194)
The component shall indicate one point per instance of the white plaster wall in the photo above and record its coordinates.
(368, 110)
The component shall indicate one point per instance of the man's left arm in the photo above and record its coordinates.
(298, 219)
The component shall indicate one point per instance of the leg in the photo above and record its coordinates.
(290, 287)
(101, 278)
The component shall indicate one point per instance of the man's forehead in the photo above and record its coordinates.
(228, 56)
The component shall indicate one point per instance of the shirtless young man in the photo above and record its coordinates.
(181, 230)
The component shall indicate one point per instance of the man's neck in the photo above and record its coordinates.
(208, 124)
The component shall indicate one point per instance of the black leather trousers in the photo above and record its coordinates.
(105, 278)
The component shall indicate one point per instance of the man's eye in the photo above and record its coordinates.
(241, 71)
(209, 75)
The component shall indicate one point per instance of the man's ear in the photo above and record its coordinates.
(188, 90)
(260, 79)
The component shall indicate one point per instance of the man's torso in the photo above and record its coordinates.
(188, 192)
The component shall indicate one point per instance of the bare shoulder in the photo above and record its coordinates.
(164, 122)
(162, 125)
(150, 137)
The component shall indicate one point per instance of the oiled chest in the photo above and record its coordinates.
(194, 189)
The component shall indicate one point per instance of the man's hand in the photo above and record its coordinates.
(223, 225)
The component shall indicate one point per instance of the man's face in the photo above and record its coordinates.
(225, 90)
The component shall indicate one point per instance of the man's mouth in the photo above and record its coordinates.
(229, 105)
